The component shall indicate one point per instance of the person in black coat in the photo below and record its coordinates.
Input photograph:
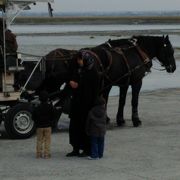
(43, 116)
(85, 83)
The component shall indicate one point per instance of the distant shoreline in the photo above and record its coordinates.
(99, 20)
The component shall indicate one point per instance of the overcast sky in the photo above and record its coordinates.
(111, 5)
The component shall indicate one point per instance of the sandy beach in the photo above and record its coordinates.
(149, 152)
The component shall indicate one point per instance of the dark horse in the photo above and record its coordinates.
(137, 54)
(122, 62)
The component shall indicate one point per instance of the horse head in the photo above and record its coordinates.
(159, 47)
(166, 55)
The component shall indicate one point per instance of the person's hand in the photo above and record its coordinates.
(73, 84)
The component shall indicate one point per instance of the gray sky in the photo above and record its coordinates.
(111, 5)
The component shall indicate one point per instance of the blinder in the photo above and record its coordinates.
(165, 55)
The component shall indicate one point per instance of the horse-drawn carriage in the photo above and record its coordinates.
(121, 62)
(15, 111)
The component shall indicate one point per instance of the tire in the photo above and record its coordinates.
(19, 123)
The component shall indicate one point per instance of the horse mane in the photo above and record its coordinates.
(120, 42)
(157, 40)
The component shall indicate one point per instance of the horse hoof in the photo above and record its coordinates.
(107, 120)
(137, 123)
(120, 123)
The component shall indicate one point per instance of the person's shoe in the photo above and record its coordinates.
(73, 153)
(48, 156)
(83, 154)
(39, 155)
(91, 158)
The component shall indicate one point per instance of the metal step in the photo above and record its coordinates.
(15, 68)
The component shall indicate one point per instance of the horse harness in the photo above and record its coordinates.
(103, 69)
(119, 50)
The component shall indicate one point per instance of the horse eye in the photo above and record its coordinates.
(165, 45)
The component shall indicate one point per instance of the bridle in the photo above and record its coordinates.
(163, 51)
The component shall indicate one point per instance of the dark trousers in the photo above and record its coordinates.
(97, 146)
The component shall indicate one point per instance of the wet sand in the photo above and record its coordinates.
(149, 152)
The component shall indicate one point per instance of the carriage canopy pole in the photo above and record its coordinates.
(4, 48)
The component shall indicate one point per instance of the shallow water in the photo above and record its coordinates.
(82, 28)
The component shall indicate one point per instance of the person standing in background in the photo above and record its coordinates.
(43, 116)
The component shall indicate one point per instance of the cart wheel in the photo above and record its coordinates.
(19, 123)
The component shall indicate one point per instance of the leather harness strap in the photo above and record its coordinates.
(99, 61)
(120, 51)
(145, 58)
(109, 66)
(59, 53)
(109, 58)
(143, 55)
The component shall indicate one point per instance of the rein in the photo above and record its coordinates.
(125, 75)
(158, 69)
(64, 58)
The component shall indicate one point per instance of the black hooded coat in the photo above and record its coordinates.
(83, 99)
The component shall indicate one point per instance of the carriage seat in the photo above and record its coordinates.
(12, 63)
(12, 67)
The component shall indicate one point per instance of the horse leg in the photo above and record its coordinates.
(135, 97)
(106, 95)
(122, 100)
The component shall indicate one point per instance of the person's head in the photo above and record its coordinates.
(85, 59)
(43, 96)
(88, 59)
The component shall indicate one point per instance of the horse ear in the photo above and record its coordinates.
(167, 37)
